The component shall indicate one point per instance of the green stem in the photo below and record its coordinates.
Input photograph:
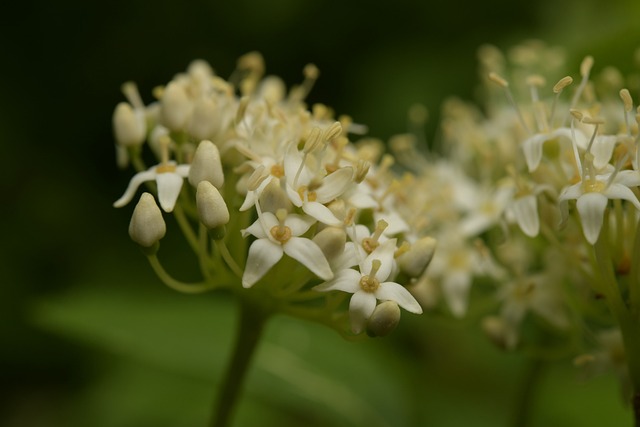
(524, 395)
(187, 230)
(185, 288)
(249, 331)
(629, 323)
(635, 404)
(228, 259)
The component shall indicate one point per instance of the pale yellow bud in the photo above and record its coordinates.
(331, 241)
(212, 208)
(147, 226)
(204, 121)
(414, 261)
(175, 106)
(206, 165)
(129, 126)
(384, 319)
(497, 331)
(272, 89)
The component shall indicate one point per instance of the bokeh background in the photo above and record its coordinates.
(90, 337)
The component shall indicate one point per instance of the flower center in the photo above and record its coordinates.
(311, 195)
(165, 167)
(594, 186)
(277, 171)
(369, 284)
(369, 244)
(281, 233)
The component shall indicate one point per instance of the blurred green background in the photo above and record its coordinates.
(90, 337)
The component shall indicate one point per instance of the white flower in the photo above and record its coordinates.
(279, 235)
(310, 191)
(532, 147)
(489, 207)
(368, 285)
(592, 196)
(169, 178)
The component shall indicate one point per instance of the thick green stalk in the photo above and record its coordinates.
(627, 321)
(524, 396)
(249, 332)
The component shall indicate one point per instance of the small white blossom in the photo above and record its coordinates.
(277, 236)
(169, 178)
(368, 285)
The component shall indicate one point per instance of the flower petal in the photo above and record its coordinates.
(256, 229)
(384, 253)
(619, 191)
(350, 257)
(346, 281)
(362, 200)
(525, 210)
(169, 186)
(532, 148)
(139, 178)
(391, 291)
(310, 255)
(321, 213)
(591, 207)
(361, 307)
(263, 254)
(299, 224)
(602, 149)
(455, 287)
(334, 184)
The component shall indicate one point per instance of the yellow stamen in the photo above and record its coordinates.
(370, 244)
(370, 283)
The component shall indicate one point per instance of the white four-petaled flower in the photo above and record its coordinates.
(368, 285)
(278, 235)
(169, 178)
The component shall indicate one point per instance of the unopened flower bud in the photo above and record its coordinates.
(129, 125)
(147, 226)
(204, 122)
(496, 330)
(212, 208)
(272, 89)
(175, 106)
(331, 241)
(414, 261)
(206, 165)
(384, 319)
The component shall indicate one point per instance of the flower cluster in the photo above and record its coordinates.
(283, 207)
(535, 205)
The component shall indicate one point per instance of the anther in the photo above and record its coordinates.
(626, 99)
(362, 169)
(494, 77)
(562, 83)
(313, 140)
(332, 132)
(130, 91)
(592, 120)
(497, 79)
(586, 65)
